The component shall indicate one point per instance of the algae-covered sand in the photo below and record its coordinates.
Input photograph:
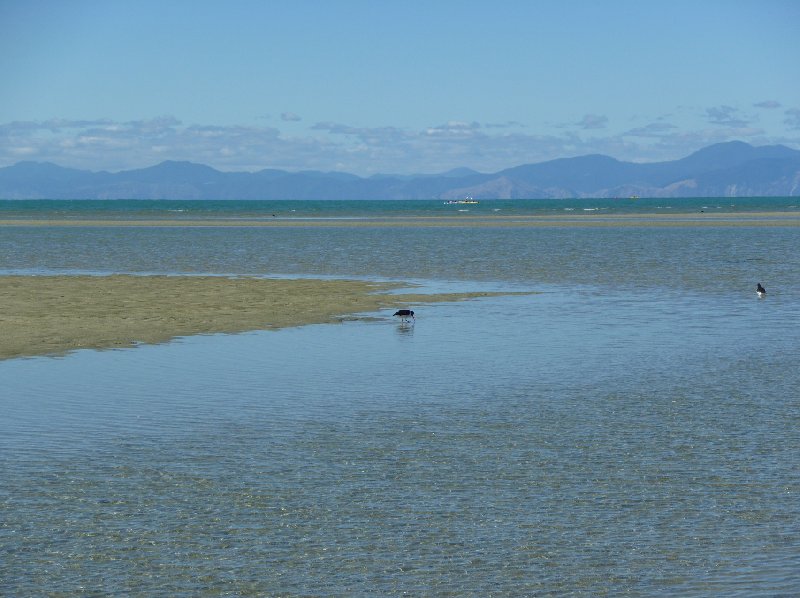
(55, 314)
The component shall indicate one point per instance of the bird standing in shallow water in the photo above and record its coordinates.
(760, 290)
(405, 314)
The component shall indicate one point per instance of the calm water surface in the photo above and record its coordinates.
(365, 210)
(633, 428)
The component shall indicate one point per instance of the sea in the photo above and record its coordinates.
(626, 423)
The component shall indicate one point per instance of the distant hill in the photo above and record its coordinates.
(722, 170)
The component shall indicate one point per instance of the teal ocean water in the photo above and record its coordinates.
(126, 209)
(632, 428)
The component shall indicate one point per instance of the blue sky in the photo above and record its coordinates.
(391, 87)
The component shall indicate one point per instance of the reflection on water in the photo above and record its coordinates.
(405, 328)
(581, 441)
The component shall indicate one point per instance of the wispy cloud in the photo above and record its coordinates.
(364, 141)
(593, 121)
(725, 116)
(792, 119)
(116, 145)
(454, 129)
(655, 129)
(99, 145)
(290, 117)
(511, 124)
(768, 104)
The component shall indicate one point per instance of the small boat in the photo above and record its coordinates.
(469, 201)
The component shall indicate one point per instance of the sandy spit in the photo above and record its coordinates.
(712, 219)
(44, 315)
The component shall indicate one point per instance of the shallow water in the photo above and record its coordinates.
(711, 260)
(631, 429)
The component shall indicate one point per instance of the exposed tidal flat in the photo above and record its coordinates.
(465, 221)
(56, 314)
(628, 423)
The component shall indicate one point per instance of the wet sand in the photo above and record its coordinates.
(44, 315)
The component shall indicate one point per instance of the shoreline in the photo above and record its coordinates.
(463, 220)
(53, 315)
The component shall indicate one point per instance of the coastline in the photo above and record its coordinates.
(659, 219)
(50, 315)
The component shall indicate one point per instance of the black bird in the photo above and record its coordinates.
(405, 314)
(760, 290)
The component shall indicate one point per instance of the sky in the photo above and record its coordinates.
(371, 86)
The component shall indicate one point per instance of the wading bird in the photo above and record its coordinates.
(405, 314)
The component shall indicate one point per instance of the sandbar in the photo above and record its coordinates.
(43, 315)
(653, 219)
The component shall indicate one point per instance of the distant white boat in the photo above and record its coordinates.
(469, 201)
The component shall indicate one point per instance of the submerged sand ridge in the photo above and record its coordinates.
(54, 314)
(595, 220)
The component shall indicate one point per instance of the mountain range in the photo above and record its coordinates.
(728, 169)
